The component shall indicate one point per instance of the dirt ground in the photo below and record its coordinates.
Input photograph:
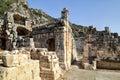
(80, 74)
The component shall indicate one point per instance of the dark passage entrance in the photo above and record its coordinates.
(22, 31)
(51, 44)
(2, 43)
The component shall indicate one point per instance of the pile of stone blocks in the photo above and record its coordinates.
(17, 65)
(49, 64)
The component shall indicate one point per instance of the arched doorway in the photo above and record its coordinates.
(51, 44)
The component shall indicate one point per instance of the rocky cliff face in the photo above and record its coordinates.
(36, 16)
(21, 6)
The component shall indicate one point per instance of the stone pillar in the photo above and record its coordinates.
(94, 65)
(64, 16)
(107, 29)
(67, 46)
(14, 45)
(28, 25)
(32, 43)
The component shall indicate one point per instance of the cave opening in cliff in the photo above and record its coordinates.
(19, 19)
(22, 31)
(51, 44)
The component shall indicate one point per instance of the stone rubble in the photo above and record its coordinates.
(49, 64)
(99, 46)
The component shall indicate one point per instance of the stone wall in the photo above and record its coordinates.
(17, 65)
(57, 37)
(80, 44)
(108, 65)
(15, 25)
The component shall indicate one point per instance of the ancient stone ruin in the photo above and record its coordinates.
(47, 49)
(101, 48)
(36, 47)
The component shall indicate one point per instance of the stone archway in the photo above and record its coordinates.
(51, 44)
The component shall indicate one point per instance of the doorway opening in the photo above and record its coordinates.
(51, 44)
(2, 44)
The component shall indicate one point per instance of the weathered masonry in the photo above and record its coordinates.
(15, 27)
(51, 43)
(57, 36)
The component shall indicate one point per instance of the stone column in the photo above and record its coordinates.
(94, 65)
(32, 43)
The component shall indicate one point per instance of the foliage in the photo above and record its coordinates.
(5, 5)
(41, 13)
(76, 29)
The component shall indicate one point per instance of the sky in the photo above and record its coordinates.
(99, 13)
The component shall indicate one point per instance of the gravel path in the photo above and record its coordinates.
(80, 74)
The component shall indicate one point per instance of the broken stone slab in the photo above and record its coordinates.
(86, 66)
(12, 60)
(37, 52)
(3, 53)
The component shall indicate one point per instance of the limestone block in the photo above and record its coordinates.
(20, 73)
(25, 70)
(23, 58)
(94, 65)
(45, 65)
(37, 52)
(42, 53)
(44, 58)
(25, 52)
(37, 78)
(4, 53)
(86, 66)
(32, 43)
(28, 76)
(36, 68)
(10, 60)
(2, 73)
(11, 73)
